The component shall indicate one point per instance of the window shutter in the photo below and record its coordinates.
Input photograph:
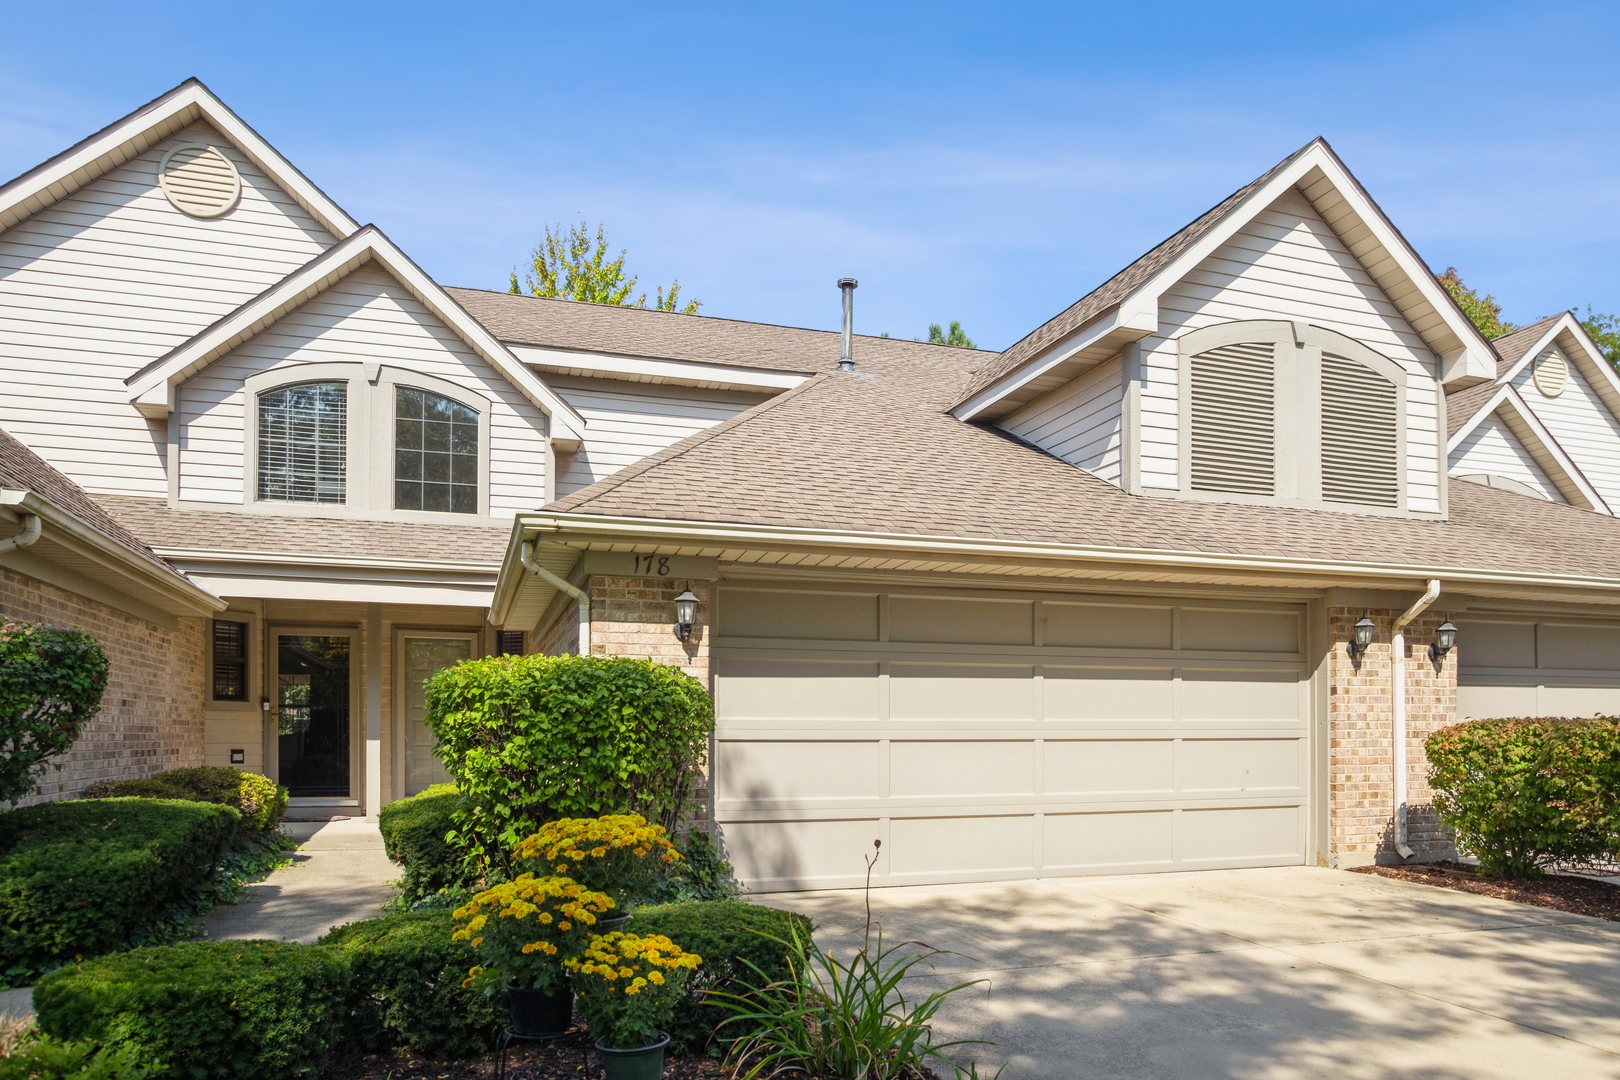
(1360, 435)
(1234, 420)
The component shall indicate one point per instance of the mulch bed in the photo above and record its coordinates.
(1579, 896)
(564, 1059)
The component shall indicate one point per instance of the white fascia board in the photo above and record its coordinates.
(1535, 350)
(1139, 319)
(1492, 403)
(642, 369)
(152, 390)
(150, 124)
(378, 591)
(1588, 358)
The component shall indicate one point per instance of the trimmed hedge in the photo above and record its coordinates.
(405, 987)
(87, 876)
(413, 832)
(249, 1010)
(730, 935)
(1522, 793)
(259, 800)
(531, 739)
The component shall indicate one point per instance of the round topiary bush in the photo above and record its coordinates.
(249, 1010)
(260, 800)
(414, 832)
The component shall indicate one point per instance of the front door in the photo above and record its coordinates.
(314, 697)
(420, 655)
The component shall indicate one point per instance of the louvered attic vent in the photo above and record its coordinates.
(1360, 435)
(1234, 426)
(199, 180)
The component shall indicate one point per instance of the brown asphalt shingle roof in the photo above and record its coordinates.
(1510, 348)
(1461, 405)
(852, 453)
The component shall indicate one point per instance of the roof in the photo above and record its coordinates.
(1461, 405)
(852, 453)
(1511, 347)
(667, 335)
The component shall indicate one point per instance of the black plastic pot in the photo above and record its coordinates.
(540, 1014)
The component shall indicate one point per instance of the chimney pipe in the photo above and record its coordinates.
(846, 359)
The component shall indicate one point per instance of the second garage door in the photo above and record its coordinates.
(1514, 664)
(987, 736)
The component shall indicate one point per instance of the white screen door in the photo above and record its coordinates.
(420, 656)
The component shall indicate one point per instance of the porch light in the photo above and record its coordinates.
(1445, 639)
(1363, 637)
(686, 606)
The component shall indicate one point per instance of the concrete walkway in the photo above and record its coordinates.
(1297, 972)
(339, 875)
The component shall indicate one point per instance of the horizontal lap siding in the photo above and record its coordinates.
(1079, 421)
(109, 279)
(1583, 426)
(367, 316)
(1492, 449)
(1288, 264)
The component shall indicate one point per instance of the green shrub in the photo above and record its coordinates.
(51, 682)
(702, 874)
(260, 800)
(83, 877)
(241, 1009)
(405, 988)
(40, 1057)
(413, 832)
(1522, 793)
(730, 935)
(531, 739)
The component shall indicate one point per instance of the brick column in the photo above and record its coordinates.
(1361, 719)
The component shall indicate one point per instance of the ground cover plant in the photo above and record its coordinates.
(1521, 794)
(415, 834)
(51, 682)
(531, 739)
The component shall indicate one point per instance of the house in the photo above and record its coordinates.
(1088, 605)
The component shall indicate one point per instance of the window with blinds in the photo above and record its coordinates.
(230, 660)
(303, 431)
(1360, 434)
(1234, 420)
(435, 453)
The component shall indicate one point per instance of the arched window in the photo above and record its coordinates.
(435, 453)
(302, 445)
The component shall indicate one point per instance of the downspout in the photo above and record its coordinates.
(526, 554)
(1397, 645)
(26, 538)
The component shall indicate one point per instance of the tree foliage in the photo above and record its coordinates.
(1483, 311)
(1604, 330)
(51, 682)
(571, 265)
(953, 336)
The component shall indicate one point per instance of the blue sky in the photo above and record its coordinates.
(989, 163)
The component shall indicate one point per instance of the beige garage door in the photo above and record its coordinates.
(1521, 665)
(983, 737)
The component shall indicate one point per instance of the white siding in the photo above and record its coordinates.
(98, 285)
(627, 421)
(1583, 426)
(1492, 449)
(1288, 263)
(366, 316)
(1079, 421)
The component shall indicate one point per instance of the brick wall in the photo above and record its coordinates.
(151, 716)
(1362, 773)
(633, 616)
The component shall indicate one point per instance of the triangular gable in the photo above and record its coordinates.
(1537, 442)
(153, 389)
(1571, 337)
(124, 139)
(1125, 308)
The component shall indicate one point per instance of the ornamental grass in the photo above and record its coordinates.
(620, 854)
(526, 929)
(629, 985)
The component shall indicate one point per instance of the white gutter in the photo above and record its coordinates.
(1397, 644)
(526, 555)
(31, 530)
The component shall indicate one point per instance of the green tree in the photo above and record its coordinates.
(1604, 330)
(954, 336)
(1483, 311)
(571, 265)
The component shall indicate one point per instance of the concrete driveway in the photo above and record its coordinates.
(1296, 972)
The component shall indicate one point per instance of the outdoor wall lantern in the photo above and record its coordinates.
(1445, 639)
(686, 606)
(1363, 637)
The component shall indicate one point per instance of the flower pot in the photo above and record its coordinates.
(642, 1063)
(609, 923)
(540, 1014)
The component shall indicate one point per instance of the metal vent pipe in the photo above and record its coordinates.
(846, 356)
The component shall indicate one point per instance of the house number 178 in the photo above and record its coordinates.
(656, 565)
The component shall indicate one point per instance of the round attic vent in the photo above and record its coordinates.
(199, 180)
(1551, 374)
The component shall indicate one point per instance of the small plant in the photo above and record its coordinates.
(620, 854)
(629, 985)
(32, 1056)
(702, 873)
(527, 928)
(51, 682)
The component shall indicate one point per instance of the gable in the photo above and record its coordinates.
(1492, 451)
(1578, 417)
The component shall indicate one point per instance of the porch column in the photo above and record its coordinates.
(374, 651)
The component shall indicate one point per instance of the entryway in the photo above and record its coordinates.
(315, 712)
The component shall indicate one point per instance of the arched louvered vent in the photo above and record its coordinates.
(1234, 421)
(1360, 435)
(199, 180)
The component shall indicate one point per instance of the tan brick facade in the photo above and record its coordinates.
(1361, 759)
(634, 616)
(151, 716)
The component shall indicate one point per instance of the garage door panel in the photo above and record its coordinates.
(1496, 644)
(1239, 694)
(947, 769)
(818, 616)
(1099, 766)
(1100, 842)
(960, 691)
(1482, 702)
(800, 854)
(794, 688)
(1094, 693)
(1533, 666)
(961, 846)
(1225, 630)
(1565, 647)
(942, 620)
(750, 771)
(1108, 626)
(1240, 765)
(1241, 834)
